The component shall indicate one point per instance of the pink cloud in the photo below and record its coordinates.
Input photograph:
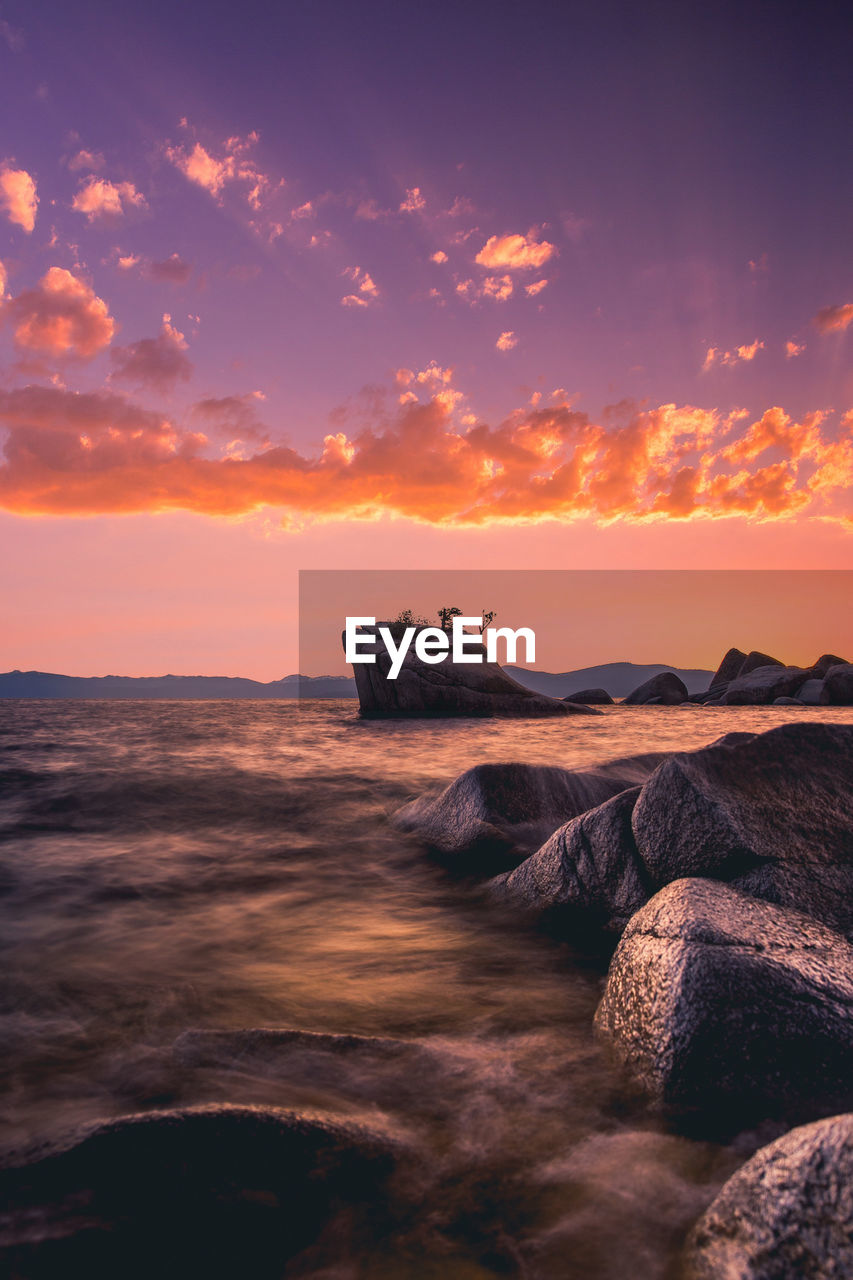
(413, 201)
(506, 341)
(741, 355)
(18, 196)
(793, 349)
(102, 200)
(834, 319)
(62, 316)
(514, 252)
(533, 289)
(171, 270)
(154, 362)
(97, 452)
(439, 256)
(91, 161)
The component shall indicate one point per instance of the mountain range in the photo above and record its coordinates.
(618, 678)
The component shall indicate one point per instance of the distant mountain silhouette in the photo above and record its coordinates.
(618, 678)
(42, 684)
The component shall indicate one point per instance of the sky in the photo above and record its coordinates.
(387, 286)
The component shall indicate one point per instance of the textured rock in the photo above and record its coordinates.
(210, 1191)
(810, 693)
(588, 875)
(787, 1213)
(756, 659)
(728, 668)
(772, 813)
(787, 702)
(762, 685)
(495, 814)
(825, 662)
(448, 689)
(838, 686)
(717, 1002)
(591, 697)
(664, 688)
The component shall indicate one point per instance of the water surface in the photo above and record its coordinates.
(170, 865)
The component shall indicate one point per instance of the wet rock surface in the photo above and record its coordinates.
(495, 814)
(787, 1212)
(718, 1003)
(218, 1190)
(588, 875)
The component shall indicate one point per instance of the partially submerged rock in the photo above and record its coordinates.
(787, 1212)
(772, 813)
(716, 1002)
(496, 813)
(762, 685)
(447, 689)
(591, 697)
(588, 875)
(215, 1191)
(666, 688)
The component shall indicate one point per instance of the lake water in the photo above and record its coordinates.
(168, 865)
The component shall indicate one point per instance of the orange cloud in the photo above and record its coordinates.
(213, 173)
(365, 282)
(18, 196)
(439, 256)
(533, 289)
(834, 319)
(98, 452)
(497, 287)
(745, 354)
(62, 316)
(89, 160)
(3, 281)
(172, 270)
(101, 200)
(793, 349)
(155, 362)
(413, 202)
(506, 341)
(513, 253)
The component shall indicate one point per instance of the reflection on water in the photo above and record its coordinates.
(168, 866)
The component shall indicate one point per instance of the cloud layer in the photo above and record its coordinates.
(61, 317)
(98, 452)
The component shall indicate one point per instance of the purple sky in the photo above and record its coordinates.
(310, 286)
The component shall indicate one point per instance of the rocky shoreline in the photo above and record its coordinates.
(719, 884)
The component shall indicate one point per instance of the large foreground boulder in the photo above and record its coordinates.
(772, 814)
(447, 688)
(716, 1001)
(213, 1191)
(665, 689)
(787, 1213)
(496, 814)
(587, 876)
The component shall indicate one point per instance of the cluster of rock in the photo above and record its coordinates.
(728, 873)
(756, 679)
(744, 679)
(446, 688)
